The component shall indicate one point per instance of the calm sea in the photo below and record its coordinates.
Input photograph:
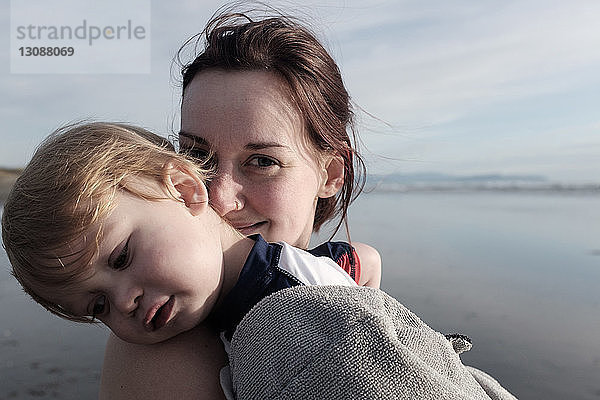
(517, 272)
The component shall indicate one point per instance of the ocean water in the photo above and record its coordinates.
(517, 272)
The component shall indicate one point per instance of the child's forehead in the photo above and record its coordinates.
(77, 256)
(68, 270)
(78, 261)
(101, 223)
(92, 244)
(110, 229)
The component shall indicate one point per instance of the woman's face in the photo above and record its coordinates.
(268, 176)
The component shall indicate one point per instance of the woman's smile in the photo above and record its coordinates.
(248, 228)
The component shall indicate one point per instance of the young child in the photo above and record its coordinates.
(105, 224)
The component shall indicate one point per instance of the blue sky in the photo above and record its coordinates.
(461, 87)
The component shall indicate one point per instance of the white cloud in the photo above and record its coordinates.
(445, 65)
(451, 77)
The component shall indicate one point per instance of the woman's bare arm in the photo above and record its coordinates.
(370, 265)
(184, 367)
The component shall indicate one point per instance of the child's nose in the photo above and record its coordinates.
(127, 300)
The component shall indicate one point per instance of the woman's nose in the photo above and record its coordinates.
(226, 193)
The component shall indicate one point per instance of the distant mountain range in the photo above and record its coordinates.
(7, 178)
(435, 181)
(423, 182)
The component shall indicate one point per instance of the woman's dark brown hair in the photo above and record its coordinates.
(234, 41)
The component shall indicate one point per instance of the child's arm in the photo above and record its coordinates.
(370, 265)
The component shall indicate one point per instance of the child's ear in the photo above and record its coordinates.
(333, 178)
(187, 186)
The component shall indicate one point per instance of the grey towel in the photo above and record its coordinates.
(337, 342)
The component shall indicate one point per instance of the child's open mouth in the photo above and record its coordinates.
(161, 316)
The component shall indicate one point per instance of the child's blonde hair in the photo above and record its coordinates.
(68, 186)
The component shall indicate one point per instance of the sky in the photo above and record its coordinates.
(462, 87)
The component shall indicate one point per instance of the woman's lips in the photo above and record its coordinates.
(248, 229)
(159, 315)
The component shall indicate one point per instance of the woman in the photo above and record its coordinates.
(265, 102)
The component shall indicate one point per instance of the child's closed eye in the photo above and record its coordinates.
(122, 260)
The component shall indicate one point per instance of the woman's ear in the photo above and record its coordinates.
(187, 186)
(333, 178)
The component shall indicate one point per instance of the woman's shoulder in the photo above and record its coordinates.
(184, 367)
(370, 264)
(361, 261)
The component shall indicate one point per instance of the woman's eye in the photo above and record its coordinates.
(262, 162)
(99, 306)
(202, 156)
(198, 154)
(121, 261)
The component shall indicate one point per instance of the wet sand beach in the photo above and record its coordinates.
(516, 272)
(41, 356)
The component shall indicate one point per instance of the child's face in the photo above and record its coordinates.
(158, 271)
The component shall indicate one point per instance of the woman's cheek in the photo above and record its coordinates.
(273, 202)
